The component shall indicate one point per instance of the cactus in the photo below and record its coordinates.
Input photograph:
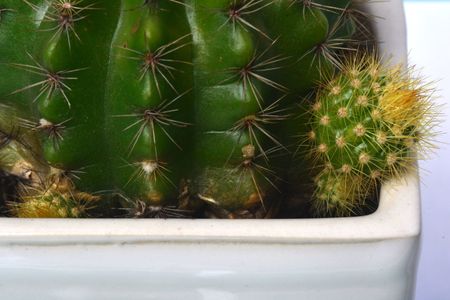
(100, 68)
(338, 194)
(252, 60)
(149, 98)
(51, 203)
(368, 122)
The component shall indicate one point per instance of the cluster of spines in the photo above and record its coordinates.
(367, 124)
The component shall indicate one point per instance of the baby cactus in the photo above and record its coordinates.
(367, 124)
(163, 100)
(50, 203)
(338, 194)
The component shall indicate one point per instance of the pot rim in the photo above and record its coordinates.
(398, 214)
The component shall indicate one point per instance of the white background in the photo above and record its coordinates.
(429, 45)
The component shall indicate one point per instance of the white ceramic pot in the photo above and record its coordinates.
(370, 257)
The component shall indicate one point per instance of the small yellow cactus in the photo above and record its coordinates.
(368, 123)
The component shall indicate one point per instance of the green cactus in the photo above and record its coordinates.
(149, 103)
(109, 80)
(252, 60)
(367, 124)
(150, 98)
